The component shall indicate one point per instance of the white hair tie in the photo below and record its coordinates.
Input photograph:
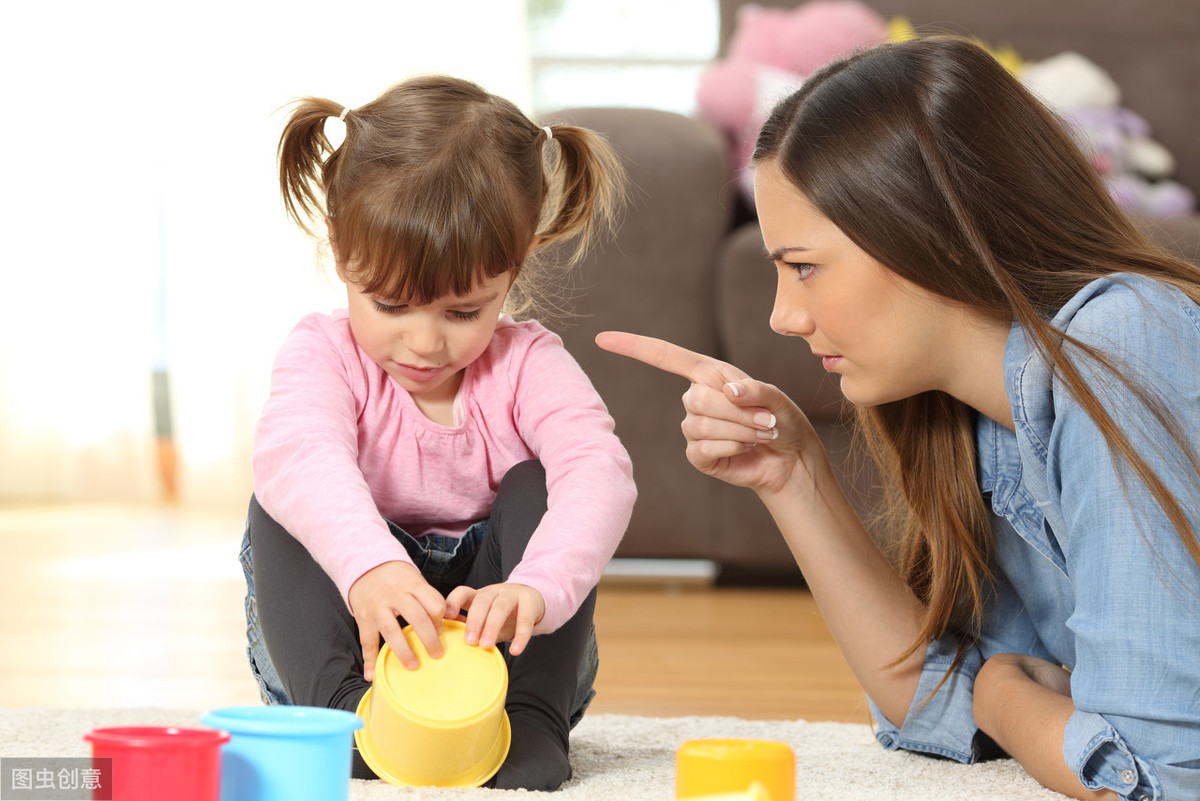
(345, 111)
(549, 133)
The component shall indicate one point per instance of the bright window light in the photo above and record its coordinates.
(647, 53)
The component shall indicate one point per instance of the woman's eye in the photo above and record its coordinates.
(465, 316)
(801, 269)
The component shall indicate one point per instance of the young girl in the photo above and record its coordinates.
(1026, 367)
(422, 456)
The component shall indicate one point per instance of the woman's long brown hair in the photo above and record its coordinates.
(936, 162)
(440, 184)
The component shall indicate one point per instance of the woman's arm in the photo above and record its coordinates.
(750, 434)
(1024, 703)
(871, 613)
(1120, 583)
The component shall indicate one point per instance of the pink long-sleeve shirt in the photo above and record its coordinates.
(341, 447)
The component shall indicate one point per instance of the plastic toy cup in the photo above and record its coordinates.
(284, 753)
(150, 763)
(708, 767)
(755, 792)
(442, 724)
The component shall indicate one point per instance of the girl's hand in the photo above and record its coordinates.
(391, 590)
(497, 613)
(739, 430)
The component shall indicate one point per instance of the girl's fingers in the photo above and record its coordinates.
(368, 638)
(392, 634)
(433, 605)
(498, 613)
(523, 632)
(428, 631)
(477, 615)
(460, 598)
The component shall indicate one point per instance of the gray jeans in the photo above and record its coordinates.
(303, 642)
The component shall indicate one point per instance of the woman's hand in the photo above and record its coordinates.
(739, 430)
(497, 613)
(871, 612)
(391, 590)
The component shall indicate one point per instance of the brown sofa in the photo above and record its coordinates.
(687, 264)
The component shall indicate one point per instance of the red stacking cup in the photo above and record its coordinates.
(155, 763)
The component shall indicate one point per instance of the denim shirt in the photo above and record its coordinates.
(1090, 573)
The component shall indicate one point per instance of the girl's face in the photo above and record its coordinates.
(426, 348)
(884, 335)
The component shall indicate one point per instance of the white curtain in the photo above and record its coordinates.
(142, 228)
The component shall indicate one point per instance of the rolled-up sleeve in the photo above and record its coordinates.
(1135, 620)
(1092, 574)
(940, 720)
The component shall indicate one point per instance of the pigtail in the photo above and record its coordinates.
(586, 188)
(307, 161)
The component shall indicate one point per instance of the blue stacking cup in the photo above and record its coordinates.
(285, 753)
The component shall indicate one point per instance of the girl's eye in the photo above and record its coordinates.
(465, 316)
(384, 308)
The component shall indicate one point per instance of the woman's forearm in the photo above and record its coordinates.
(870, 611)
(1027, 718)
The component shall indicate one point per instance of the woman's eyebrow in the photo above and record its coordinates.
(777, 254)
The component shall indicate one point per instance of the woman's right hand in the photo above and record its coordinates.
(742, 431)
(871, 612)
(391, 590)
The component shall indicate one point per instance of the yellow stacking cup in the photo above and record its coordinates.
(755, 792)
(710, 767)
(442, 724)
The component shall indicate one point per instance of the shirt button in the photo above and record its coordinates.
(1128, 776)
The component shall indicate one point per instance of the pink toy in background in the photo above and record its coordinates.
(772, 50)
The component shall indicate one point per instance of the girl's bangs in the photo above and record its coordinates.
(417, 255)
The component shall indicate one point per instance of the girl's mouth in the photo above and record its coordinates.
(419, 373)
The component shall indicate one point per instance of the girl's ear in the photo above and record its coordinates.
(337, 262)
(329, 236)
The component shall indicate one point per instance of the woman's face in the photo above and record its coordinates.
(882, 334)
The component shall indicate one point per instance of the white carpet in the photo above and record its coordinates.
(623, 758)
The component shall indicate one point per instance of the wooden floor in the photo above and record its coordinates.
(105, 606)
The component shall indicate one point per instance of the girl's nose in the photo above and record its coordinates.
(424, 339)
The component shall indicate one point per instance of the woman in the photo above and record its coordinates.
(1026, 371)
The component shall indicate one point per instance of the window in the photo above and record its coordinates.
(620, 52)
